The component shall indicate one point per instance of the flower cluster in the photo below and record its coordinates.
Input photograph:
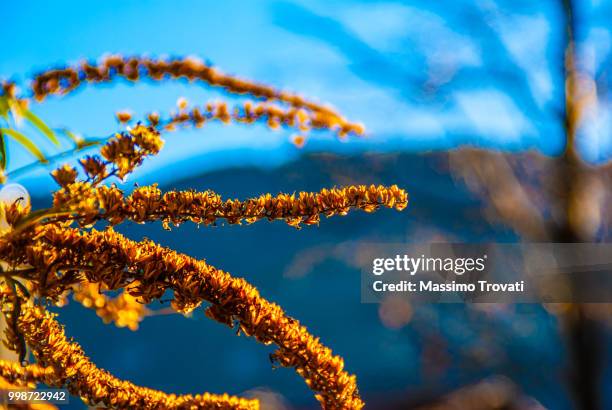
(120, 156)
(67, 366)
(12, 214)
(128, 150)
(16, 374)
(148, 203)
(15, 370)
(114, 261)
(64, 80)
(123, 310)
(43, 258)
(249, 112)
(124, 152)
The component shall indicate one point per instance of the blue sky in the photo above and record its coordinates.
(419, 76)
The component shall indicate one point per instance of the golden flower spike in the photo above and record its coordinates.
(25, 376)
(62, 257)
(148, 203)
(73, 370)
(14, 376)
(84, 201)
(64, 80)
(273, 115)
(49, 259)
(114, 261)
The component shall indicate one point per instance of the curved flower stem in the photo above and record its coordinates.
(16, 373)
(62, 81)
(148, 203)
(57, 257)
(67, 366)
(117, 261)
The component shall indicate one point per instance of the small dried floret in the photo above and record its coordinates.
(64, 175)
(123, 116)
(298, 140)
(182, 103)
(153, 119)
(12, 213)
(94, 167)
(127, 150)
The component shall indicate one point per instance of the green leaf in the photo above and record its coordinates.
(77, 139)
(26, 142)
(4, 159)
(15, 109)
(81, 142)
(4, 107)
(40, 124)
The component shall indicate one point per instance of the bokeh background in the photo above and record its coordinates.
(426, 78)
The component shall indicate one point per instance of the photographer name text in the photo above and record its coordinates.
(451, 265)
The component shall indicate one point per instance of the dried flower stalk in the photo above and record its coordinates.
(65, 80)
(17, 374)
(69, 367)
(52, 259)
(274, 116)
(14, 376)
(85, 201)
(114, 261)
(148, 203)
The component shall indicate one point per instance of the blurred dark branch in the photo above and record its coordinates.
(585, 340)
(560, 199)
(577, 208)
